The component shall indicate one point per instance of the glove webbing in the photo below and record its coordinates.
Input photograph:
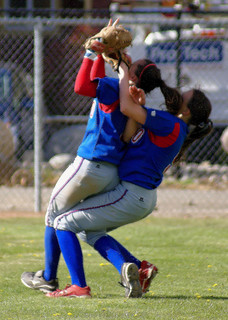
(119, 61)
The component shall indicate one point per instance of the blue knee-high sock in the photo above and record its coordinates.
(72, 254)
(114, 252)
(52, 253)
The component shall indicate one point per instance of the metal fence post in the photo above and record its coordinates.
(178, 59)
(38, 106)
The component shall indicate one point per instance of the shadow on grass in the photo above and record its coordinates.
(158, 297)
(181, 297)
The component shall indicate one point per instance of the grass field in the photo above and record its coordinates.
(191, 254)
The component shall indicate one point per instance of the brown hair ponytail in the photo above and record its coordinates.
(200, 108)
(173, 98)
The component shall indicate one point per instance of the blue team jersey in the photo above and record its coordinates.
(152, 149)
(106, 123)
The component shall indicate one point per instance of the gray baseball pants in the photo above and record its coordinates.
(80, 180)
(94, 217)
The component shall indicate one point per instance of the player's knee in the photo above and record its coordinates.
(91, 237)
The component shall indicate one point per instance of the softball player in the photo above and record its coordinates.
(151, 151)
(95, 167)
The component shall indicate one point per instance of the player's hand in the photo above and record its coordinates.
(138, 95)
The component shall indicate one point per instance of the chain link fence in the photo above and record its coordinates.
(191, 52)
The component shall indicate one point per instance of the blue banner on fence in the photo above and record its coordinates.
(190, 52)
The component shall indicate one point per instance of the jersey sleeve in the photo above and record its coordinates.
(108, 90)
(159, 122)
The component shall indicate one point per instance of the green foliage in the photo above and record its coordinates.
(191, 255)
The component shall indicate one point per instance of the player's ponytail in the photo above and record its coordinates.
(149, 78)
(173, 99)
(200, 124)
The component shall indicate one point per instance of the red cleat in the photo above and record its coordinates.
(147, 273)
(71, 291)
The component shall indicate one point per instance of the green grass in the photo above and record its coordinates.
(192, 282)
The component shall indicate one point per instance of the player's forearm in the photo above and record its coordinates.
(125, 99)
(83, 84)
(127, 106)
(130, 129)
(98, 68)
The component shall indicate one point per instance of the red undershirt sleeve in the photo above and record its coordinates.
(83, 84)
(98, 68)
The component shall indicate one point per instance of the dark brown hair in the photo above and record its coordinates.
(173, 98)
(200, 108)
(149, 76)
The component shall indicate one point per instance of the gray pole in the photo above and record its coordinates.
(38, 105)
(178, 59)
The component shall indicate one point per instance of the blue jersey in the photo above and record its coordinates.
(152, 149)
(106, 123)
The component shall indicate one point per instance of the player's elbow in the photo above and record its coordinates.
(78, 88)
(83, 91)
